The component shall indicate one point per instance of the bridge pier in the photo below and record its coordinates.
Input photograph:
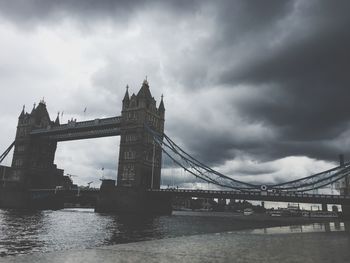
(13, 198)
(19, 198)
(131, 200)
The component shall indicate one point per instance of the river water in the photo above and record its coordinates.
(24, 232)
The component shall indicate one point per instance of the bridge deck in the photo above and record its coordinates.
(260, 196)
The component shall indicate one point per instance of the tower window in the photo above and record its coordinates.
(129, 155)
(132, 115)
(130, 138)
(20, 148)
(128, 172)
(18, 162)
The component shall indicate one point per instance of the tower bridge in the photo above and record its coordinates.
(33, 173)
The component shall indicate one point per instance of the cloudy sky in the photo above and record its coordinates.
(257, 89)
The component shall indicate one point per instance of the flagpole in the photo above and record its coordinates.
(85, 113)
(102, 169)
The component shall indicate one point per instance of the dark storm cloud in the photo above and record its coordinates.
(239, 18)
(310, 75)
(41, 11)
(301, 79)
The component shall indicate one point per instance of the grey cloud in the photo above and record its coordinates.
(240, 19)
(35, 12)
(307, 80)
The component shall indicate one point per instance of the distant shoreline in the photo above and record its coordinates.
(257, 220)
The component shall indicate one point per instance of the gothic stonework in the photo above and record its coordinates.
(33, 158)
(139, 158)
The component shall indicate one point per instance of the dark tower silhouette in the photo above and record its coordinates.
(33, 170)
(139, 158)
(33, 158)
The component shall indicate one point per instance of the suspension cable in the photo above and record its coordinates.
(7, 151)
(204, 172)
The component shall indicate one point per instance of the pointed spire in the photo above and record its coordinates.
(144, 91)
(34, 105)
(126, 96)
(57, 121)
(22, 112)
(126, 99)
(161, 107)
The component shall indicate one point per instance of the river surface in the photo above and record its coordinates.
(24, 232)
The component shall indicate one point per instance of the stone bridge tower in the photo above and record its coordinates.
(139, 158)
(33, 158)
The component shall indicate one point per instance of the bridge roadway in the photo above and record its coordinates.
(74, 130)
(238, 195)
(259, 196)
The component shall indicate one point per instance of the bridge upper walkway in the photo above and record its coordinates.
(81, 130)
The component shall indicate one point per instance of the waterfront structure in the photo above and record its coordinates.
(37, 136)
(33, 158)
(139, 158)
(33, 175)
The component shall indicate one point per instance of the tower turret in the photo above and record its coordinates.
(57, 121)
(144, 92)
(161, 108)
(126, 99)
(34, 105)
(21, 116)
(144, 96)
(40, 116)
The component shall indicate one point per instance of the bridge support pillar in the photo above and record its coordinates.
(131, 200)
(324, 207)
